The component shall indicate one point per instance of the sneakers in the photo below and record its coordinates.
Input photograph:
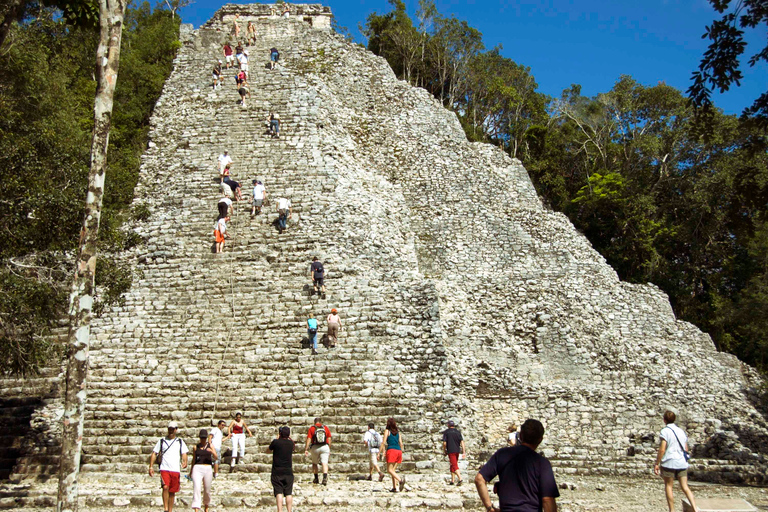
(370, 478)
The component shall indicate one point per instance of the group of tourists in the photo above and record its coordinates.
(526, 482)
(239, 59)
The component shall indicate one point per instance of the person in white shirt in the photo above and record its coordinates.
(224, 160)
(220, 233)
(284, 211)
(672, 461)
(259, 195)
(173, 453)
(215, 438)
(225, 205)
(243, 59)
(513, 437)
(372, 441)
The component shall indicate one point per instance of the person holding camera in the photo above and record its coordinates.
(526, 481)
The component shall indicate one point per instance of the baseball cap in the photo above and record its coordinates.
(451, 423)
(203, 434)
(173, 424)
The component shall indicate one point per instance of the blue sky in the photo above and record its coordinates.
(587, 42)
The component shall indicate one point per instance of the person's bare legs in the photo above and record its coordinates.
(391, 468)
(669, 482)
(289, 503)
(687, 491)
(165, 497)
(279, 499)
(171, 500)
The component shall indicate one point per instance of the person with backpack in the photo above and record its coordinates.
(237, 430)
(170, 452)
(202, 473)
(672, 460)
(453, 447)
(334, 326)
(393, 444)
(526, 480)
(318, 446)
(274, 56)
(317, 272)
(312, 334)
(282, 450)
(372, 441)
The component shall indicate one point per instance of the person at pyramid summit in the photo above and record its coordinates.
(318, 447)
(171, 451)
(526, 481)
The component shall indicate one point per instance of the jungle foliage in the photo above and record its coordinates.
(631, 167)
(47, 89)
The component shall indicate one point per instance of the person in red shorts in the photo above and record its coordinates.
(393, 445)
(172, 452)
(453, 446)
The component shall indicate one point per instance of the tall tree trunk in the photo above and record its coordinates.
(111, 14)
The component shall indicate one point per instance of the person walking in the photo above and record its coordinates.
(237, 430)
(312, 334)
(251, 33)
(202, 472)
(283, 214)
(393, 444)
(220, 232)
(171, 451)
(372, 441)
(229, 58)
(274, 56)
(317, 272)
(233, 185)
(243, 60)
(318, 446)
(215, 437)
(282, 450)
(334, 327)
(672, 460)
(526, 480)
(216, 75)
(259, 196)
(513, 439)
(453, 447)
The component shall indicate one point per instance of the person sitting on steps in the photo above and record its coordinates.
(284, 213)
(312, 334)
(274, 125)
(317, 272)
(237, 430)
(259, 196)
(274, 56)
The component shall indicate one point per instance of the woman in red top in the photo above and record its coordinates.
(236, 428)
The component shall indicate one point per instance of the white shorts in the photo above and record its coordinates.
(319, 453)
(244, 67)
(230, 58)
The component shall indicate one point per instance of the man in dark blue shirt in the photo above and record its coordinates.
(526, 480)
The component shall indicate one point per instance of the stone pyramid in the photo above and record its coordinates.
(462, 297)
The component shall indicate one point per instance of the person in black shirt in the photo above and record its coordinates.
(318, 274)
(282, 450)
(526, 481)
(453, 445)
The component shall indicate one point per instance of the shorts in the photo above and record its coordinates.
(318, 281)
(273, 57)
(282, 484)
(172, 479)
(219, 236)
(374, 459)
(394, 456)
(453, 460)
(257, 202)
(215, 76)
(244, 67)
(677, 474)
(230, 59)
(319, 453)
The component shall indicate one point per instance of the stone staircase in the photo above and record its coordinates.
(460, 295)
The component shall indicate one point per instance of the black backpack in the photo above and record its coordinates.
(318, 269)
(319, 436)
